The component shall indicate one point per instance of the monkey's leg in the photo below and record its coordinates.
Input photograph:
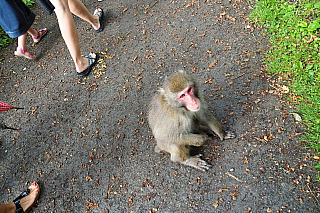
(162, 146)
(157, 149)
(181, 154)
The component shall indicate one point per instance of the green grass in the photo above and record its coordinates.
(5, 40)
(29, 3)
(294, 29)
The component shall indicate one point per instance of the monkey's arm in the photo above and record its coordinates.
(192, 139)
(213, 124)
(216, 126)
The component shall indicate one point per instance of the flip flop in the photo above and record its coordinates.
(25, 193)
(92, 62)
(100, 14)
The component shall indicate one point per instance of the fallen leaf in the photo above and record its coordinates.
(215, 204)
(285, 89)
(214, 63)
(296, 116)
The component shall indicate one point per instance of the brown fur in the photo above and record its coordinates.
(175, 128)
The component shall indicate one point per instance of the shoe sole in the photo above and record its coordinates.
(22, 55)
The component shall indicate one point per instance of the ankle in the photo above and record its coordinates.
(36, 36)
(22, 49)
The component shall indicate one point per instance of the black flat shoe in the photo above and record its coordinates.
(92, 61)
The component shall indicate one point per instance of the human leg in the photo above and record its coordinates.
(69, 33)
(22, 41)
(15, 18)
(22, 48)
(26, 201)
(78, 9)
(37, 35)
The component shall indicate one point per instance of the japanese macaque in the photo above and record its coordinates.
(179, 118)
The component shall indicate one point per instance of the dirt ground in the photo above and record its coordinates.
(87, 140)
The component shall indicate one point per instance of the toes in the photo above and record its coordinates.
(229, 135)
(198, 163)
(204, 165)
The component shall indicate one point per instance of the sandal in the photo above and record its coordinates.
(24, 53)
(92, 61)
(41, 33)
(25, 193)
(99, 12)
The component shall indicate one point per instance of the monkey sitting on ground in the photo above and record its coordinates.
(179, 118)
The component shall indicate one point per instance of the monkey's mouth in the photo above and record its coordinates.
(193, 107)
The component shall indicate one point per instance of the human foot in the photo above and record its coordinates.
(27, 198)
(41, 33)
(92, 60)
(99, 12)
(24, 53)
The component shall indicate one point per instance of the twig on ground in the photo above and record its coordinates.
(234, 177)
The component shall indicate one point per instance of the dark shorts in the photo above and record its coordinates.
(15, 17)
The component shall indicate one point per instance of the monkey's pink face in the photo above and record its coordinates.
(191, 101)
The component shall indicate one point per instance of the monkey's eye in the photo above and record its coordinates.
(189, 90)
(182, 96)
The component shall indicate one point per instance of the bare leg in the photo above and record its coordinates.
(25, 202)
(22, 41)
(22, 50)
(69, 33)
(7, 208)
(32, 32)
(77, 8)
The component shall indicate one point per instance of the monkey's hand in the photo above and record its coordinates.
(197, 163)
(229, 135)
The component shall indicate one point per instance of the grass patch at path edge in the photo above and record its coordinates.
(294, 29)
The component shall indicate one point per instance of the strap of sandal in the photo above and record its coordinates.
(40, 33)
(98, 12)
(23, 51)
(16, 201)
(91, 60)
(37, 36)
(19, 209)
(23, 194)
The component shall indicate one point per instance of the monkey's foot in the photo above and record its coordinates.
(197, 163)
(157, 149)
(229, 135)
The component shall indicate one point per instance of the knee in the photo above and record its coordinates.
(61, 6)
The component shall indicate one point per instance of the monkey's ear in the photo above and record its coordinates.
(161, 90)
